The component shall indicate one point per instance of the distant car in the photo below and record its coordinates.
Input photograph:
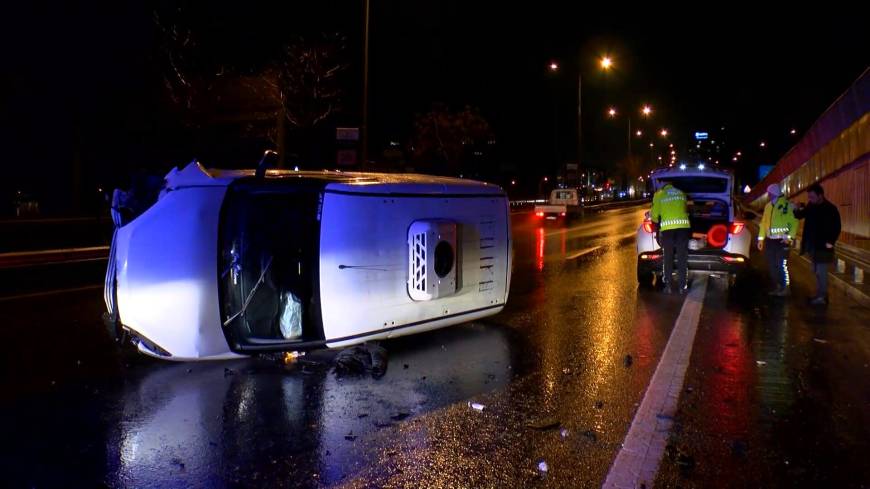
(563, 203)
(720, 241)
(229, 263)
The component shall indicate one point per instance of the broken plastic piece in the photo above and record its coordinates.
(544, 424)
(543, 467)
(563, 432)
(476, 406)
(291, 356)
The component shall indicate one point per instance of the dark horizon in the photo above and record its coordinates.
(96, 72)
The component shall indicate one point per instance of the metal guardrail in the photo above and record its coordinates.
(614, 203)
(21, 259)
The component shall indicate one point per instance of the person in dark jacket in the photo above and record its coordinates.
(821, 230)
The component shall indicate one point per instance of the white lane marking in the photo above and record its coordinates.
(582, 252)
(49, 292)
(638, 461)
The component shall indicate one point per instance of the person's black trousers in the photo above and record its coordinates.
(676, 239)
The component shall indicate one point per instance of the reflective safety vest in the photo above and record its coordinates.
(778, 221)
(669, 209)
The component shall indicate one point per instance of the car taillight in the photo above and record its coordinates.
(539, 214)
(562, 214)
(717, 236)
(737, 227)
(733, 259)
(648, 226)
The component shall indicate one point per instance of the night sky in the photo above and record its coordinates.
(89, 79)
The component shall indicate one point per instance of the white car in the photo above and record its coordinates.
(720, 241)
(229, 263)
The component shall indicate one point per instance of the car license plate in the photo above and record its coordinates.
(552, 218)
(695, 244)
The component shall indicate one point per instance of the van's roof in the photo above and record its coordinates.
(195, 174)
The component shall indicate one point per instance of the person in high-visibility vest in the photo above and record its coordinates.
(775, 235)
(670, 214)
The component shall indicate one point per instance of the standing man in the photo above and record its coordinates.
(821, 230)
(775, 235)
(670, 214)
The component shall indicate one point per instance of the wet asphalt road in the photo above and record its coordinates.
(550, 371)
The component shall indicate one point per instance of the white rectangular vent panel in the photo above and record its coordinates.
(432, 259)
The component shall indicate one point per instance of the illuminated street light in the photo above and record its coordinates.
(611, 112)
(739, 153)
(554, 66)
(639, 133)
(734, 159)
(647, 110)
(664, 133)
(763, 144)
(546, 179)
(793, 131)
(650, 145)
(606, 63)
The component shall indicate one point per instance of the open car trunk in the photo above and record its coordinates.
(268, 261)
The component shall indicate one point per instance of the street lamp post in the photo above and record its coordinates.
(606, 63)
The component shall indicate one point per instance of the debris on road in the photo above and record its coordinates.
(400, 416)
(361, 359)
(599, 405)
(476, 406)
(544, 424)
(350, 436)
(591, 435)
(566, 371)
(819, 340)
(228, 372)
(291, 357)
(628, 361)
(760, 363)
(563, 433)
(543, 468)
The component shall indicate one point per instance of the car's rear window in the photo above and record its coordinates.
(700, 185)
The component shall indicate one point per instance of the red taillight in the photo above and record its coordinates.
(539, 214)
(650, 256)
(737, 227)
(562, 214)
(648, 226)
(717, 236)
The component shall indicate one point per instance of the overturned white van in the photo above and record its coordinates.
(229, 263)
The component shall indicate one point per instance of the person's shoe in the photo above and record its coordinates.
(776, 291)
(780, 292)
(818, 301)
(684, 290)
